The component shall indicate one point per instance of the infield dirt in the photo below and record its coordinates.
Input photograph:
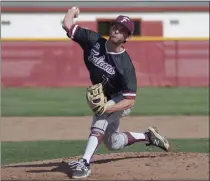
(115, 166)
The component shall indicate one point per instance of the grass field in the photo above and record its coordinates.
(71, 102)
(16, 152)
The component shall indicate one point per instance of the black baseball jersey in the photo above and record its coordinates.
(114, 70)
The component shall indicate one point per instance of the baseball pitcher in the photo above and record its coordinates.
(113, 90)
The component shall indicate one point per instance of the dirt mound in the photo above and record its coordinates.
(118, 166)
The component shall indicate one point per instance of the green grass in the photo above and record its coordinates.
(72, 102)
(16, 152)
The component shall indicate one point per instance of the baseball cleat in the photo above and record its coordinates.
(155, 139)
(80, 169)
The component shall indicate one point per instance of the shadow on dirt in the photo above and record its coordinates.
(63, 167)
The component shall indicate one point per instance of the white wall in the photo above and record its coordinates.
(41, 25)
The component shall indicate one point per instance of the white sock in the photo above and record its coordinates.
(138, 136)
(90, 148)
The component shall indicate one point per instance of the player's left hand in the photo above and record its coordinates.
(96, 99)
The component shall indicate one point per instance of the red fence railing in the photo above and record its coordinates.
(60, 63)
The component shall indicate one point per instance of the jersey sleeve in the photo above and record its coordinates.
(129, 82)
(82, 36)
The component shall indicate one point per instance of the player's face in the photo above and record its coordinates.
(118, 34)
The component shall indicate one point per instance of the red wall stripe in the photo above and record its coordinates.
(107, 9)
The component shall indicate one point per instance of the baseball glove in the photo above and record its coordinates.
(96, 99)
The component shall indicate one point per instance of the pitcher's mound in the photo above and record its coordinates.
(118, 166)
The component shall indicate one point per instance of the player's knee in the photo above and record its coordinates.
(96, 130)
(116, 142)
(97, 133)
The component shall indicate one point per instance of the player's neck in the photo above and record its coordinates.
(115, 48)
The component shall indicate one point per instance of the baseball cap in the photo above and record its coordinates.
(125, 21)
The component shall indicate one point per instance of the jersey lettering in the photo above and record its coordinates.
(99, 62)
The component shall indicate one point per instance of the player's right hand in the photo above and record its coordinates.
(75, 10)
